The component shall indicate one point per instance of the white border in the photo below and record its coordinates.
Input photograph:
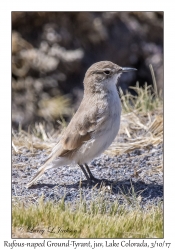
(5, 93)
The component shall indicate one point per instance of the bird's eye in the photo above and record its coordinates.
(107, 72)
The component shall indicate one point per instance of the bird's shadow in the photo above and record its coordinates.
(126, 187)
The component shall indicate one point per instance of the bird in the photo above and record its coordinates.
(95, 124)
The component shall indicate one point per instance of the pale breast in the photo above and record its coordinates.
(105, 135)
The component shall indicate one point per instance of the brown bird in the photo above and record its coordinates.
(95, 124)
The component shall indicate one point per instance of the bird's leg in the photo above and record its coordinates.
(84, 171)
(90, 178)
(93, 179)
(90, 174)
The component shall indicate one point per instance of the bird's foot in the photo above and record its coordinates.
(100, 182)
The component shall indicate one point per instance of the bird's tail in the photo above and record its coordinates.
(37, 176)
(39, 173)
(46, 165)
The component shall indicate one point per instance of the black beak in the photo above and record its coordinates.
(124, 69)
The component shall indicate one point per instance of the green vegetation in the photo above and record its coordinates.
(146, 99)
(94, 221)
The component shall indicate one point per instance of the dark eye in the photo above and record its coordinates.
(107, 72)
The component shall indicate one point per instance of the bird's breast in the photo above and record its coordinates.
(106, 131)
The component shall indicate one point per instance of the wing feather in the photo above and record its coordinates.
(80, 130)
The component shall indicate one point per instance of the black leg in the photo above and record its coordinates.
(90, 178)
(93, 179)
(90, 173)
(84, 171)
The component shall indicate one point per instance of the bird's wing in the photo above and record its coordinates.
(79, 130)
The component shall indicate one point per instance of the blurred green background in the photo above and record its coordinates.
(51, 52)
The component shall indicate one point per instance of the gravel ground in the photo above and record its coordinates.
(140, 170)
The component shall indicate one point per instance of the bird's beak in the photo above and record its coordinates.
(128, 69)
